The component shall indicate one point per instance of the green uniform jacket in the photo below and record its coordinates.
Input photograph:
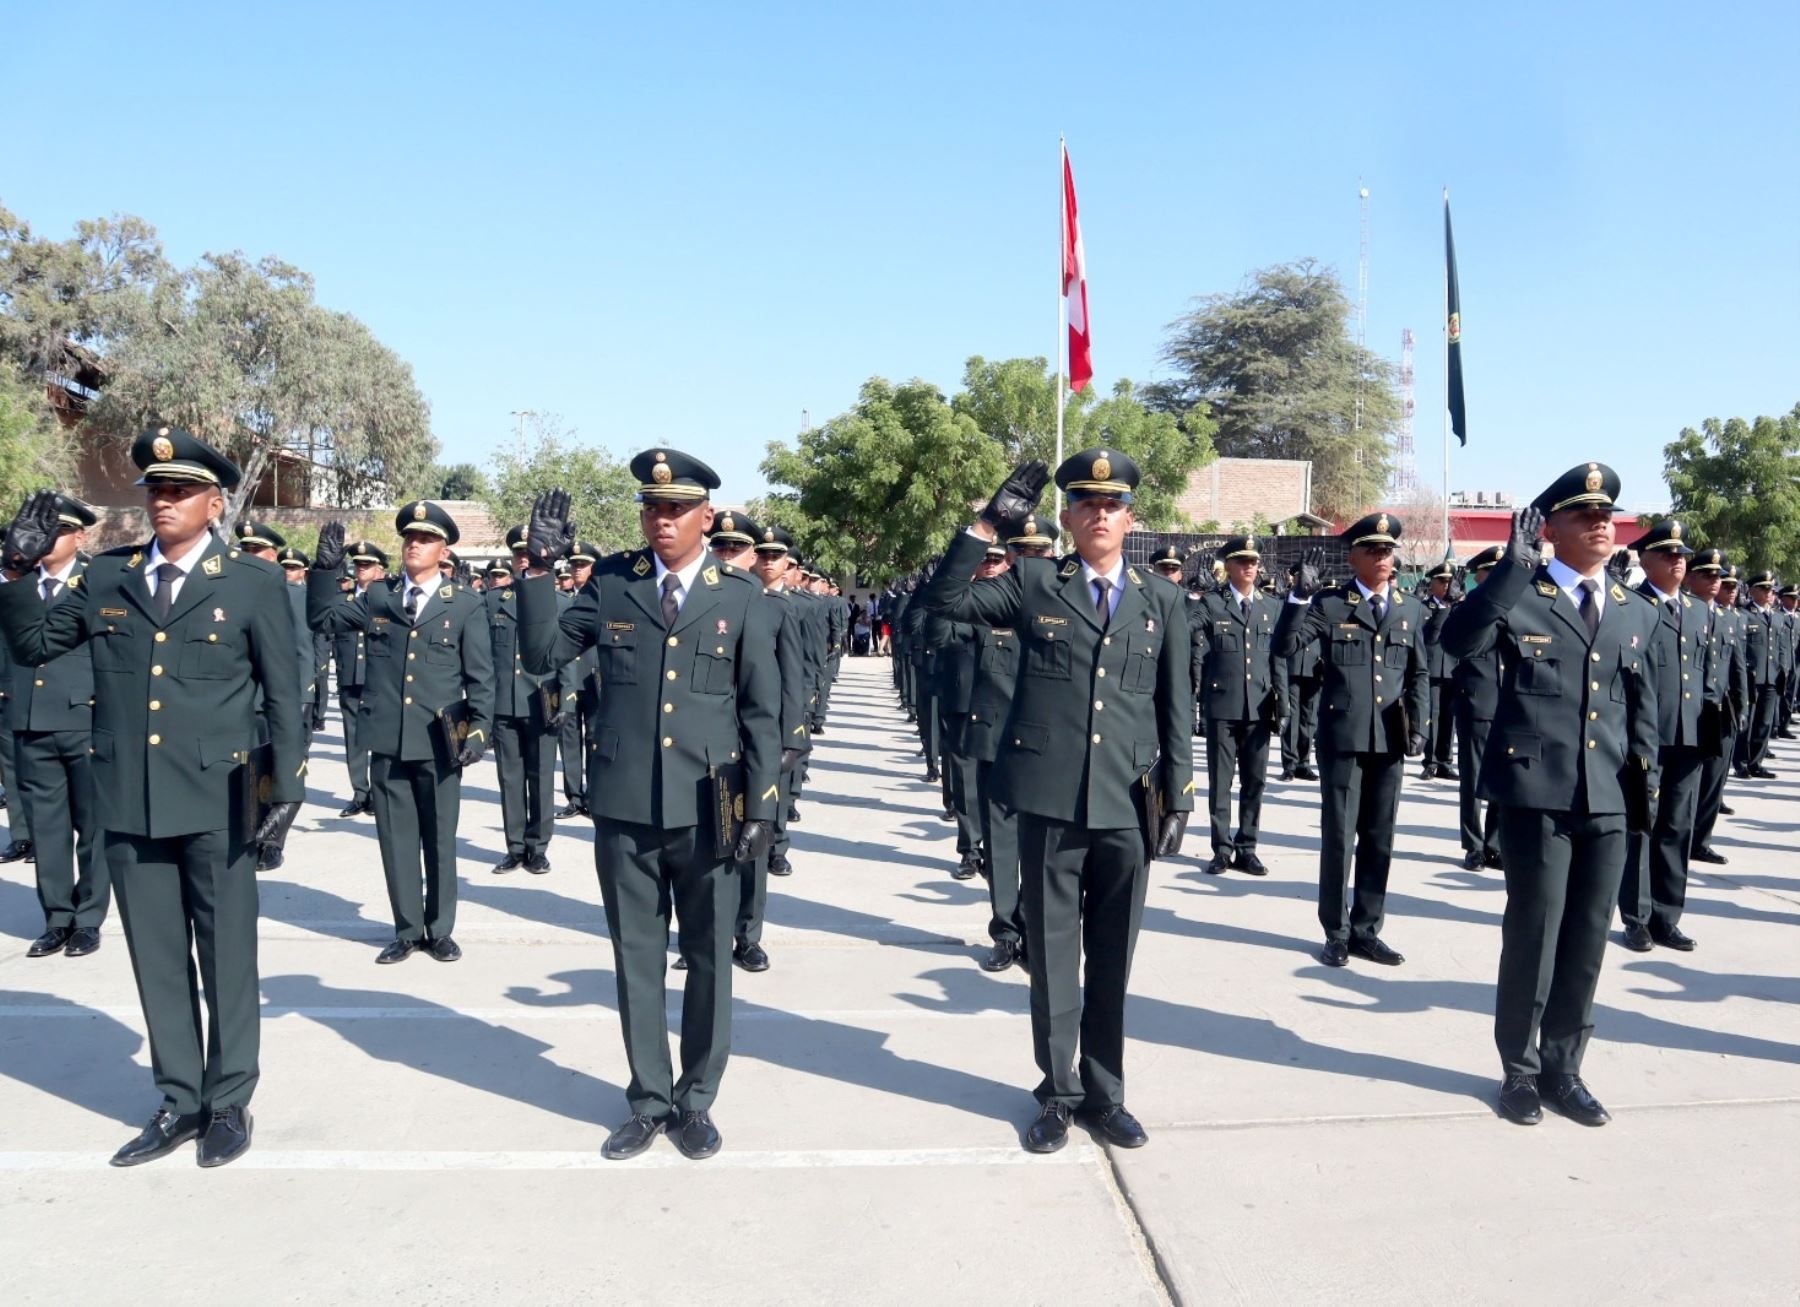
(797, 682)
(996, 681)
(1571, 716)
(174, 702)
(804, 610)
(674, 703)
(1677, 662)
(580, 677)
(1094, 708)
(954, 646)
(58, 696)
(1374, 687)
(1762, 641)
(348, 646)
(1727, 679)
(515, 688)
(412, 669)
(1439, 665)
(1236, 675)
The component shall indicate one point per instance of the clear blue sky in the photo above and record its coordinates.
(687, 224)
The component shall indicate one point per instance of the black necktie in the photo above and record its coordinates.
(1379, 604)
(1245, 605)
(166, 576)
(412, 604)
(671, 606)
(1102, 587)
(1590, 607)
(51, 586)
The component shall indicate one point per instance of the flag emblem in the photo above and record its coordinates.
(1455, 328)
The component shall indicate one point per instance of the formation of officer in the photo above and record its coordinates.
(1769, 654)
(1475, 694)
(528, 723)
(186, 639)
(349, 656)
(1440, 673)
(426, 712)
(1712, 579)
(580, 681)
(1375, 713)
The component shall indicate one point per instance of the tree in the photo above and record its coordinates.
(601, 489)
(458, 481)
(1736, 484)
(881, 488)
(1277, 364)
(1014, 401)
(33, 453)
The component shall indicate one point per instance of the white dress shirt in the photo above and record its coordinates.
(1114, 577)
(1569, 580)
(187, 563)
(684, 578)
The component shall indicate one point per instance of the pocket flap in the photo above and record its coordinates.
(606, 744)
(219, 748)
(101, 745)
(1523, 748)
(1030, 737)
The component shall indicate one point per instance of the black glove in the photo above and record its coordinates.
(1415, 745)
(1017, 498)
(551, 534)
(1618, 567)
(275, 823)
(790, 759)
(1168, 839)
(557, 721)
(1522, 541)
(32, 533)
(471, 753)
(1306, 580)
(328, 554)
(754, 838)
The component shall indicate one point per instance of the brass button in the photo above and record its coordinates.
(1106, 639)
(673, 642)
(1098, 705)
(38, 683)
(412, 635)
(1378, 678)
(156, 739)
(517, 672)
(1594, 685)
(156, 670)
(1378, 698)
(719, 649)
(156, 705)
(161, 636)
(1590, 744)
(1593, 717)
(668, 707)
(667, 742)
(409, 698)
(1686, 695)
(1016, 741)
(1509, 748)
(409, 678)
(212, 638)
(411, 657)
(732, 756)
(670, 674)
(974, 717)
(1100, 671)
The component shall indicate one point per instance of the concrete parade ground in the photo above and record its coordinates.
(431, 1132)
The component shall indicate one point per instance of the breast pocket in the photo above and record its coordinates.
(1227, 638)
(378, 642)
(209, 656)
(1539, 676)
(1395, 655)
(444, 647)
(618, 657)
(1047, 657)
(1349, 649)
(112, 650)
(1140, 663)
(715, 669)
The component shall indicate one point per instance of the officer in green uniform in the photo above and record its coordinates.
(1243, 694)
(1169, 564)
(51, 711)
(316, 648)
(429, 654)
(184, 634)
(1475, 692)
(773, 561)
(526, 728)
(1789, 595)
(1711, 580)
(1571, 762)
(18, 820)
(1440, 671)
(1305, 681)
(1375, 714)
(350, 652)
(990, 704)
(1766, 655)
(261, 540)
(956, 647)
(1653, 889)
(1100, 723)
(687, 727)
(580, 689)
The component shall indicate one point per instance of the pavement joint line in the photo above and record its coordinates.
(1149, 1256)
(798, 936)
(1456, 1114)
(327, 1159)
(574, 1012)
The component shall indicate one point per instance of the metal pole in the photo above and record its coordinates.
(1445, 406)
(1062, 304)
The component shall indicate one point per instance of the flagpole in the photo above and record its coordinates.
(1062, 304)
(1446, 403)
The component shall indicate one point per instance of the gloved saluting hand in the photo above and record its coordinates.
(32, 533)
(1017, 498)
(328, 555)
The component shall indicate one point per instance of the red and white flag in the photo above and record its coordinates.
(1074, 284)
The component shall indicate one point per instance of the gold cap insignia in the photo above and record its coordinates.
(1674, 530)
(1381, 524)
(728, 523)
(768, 535)
(1102, 468)
(163, 447)
(1594, 479)
(419, 512)
(661, 473)
(1031, 526)
(1249, 542)
(661, 457)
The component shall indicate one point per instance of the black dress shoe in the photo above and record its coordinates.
(679, 964)
(1472, 860)
(780, 867)
(1220, 864)
(1248, 863)
(1762, 773)
(1120, 1127)
(817, 730)
(1305, 774)
(1336, 953)
(1566, 1094)
(51, 941)
(793, 813)
(1637, 939)
(1004, 953)
(227, 1136)
(569, 809)
(1446, 773)
(1050, 1131)
(445, 949)
(83, 940)
(697, 1137)
(166, 1132)
(1519, 1102)
(398, 951)
(537, 864)
(1491, 860)
(355, 808)
(511, 862)
(1742, 773)
(1371, 949)
(1673, 938)
(1287, 774)
(751, 957)
(1726, 810)
(16, 850)
(968, 868)
(1708, 855)
(1428, 773)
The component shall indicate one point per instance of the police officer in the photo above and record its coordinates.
(316, 667)
(957, 648)
(1766, 655)
(1376, 714)
(1243, 693)
(1101, 719)
(50, 710)
(1475, 693)
(18, 819)
(1169, 564)
(1571, 761)
(990, 704)
(1789, 595)
(369, 563)
(184, 634)
(772, 563)
(528, 720)
(688, 726)
(580, 686)
(1304, 683)
(1710, 581)
(430, 663)
(1440, 670)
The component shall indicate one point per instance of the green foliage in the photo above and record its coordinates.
(602, 491)
(87, 291)
(458, 481)
(879, 490)
(1014, 401)
(1737, 485)
(1278, 366)
(33, 453)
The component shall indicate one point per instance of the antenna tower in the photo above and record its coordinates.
(1406, 480)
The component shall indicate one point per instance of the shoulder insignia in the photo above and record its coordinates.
(711, 575)
(641, 567)
(135, 560)
(1548, 589)
(214, 565)
(1132, 573)
(1686, 602)
(1071, 567)
(350, 596)
(1352, 598)
(1618, 593)
(444, 592)
(74, 583)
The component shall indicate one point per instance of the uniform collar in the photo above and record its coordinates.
(686, 575)
(1568, 580)
(1370, 594)
(187, 564)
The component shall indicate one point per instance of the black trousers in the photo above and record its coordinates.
(54, 782)
(1360, 800)
(1753, 743)
(961, 786)
(18, 815)
(187, 900)
(929, 734)
(416, 806)
(1562, 875)
(1471, 747)
(753, 877)
(644, 873)
(356, 753)
(1000, 842)
(1302, 721)
(1442, 749)
(1653, 889)
(572, 742)
(1083, 892)
(1712, 794)
(525, 756)
(1240, 751)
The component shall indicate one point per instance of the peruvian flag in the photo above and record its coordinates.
(1074, 284)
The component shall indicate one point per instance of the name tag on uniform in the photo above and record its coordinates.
(1052, 621)
(621, 626)
(1534, 639)
(1350, 626)
(113, 612)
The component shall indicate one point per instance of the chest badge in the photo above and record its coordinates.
(724, 627)
(1150, 625)
(218, 614)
